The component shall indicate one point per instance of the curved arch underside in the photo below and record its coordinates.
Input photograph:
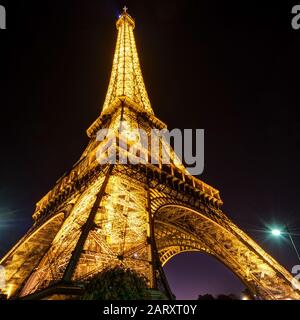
(28, 252)
(179, 229)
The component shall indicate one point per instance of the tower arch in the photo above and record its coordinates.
(19, 262)
(179, 228)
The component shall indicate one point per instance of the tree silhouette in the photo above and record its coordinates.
(206, 297)
(116, 284)
(218, 297)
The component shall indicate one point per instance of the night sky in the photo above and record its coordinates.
(231, 68)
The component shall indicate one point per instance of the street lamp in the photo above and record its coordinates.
(277, 233)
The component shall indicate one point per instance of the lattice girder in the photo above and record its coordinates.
(186, 230)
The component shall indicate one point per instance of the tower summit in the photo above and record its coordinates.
(138, 216)
(126, 78)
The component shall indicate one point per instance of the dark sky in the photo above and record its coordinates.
(231, 68)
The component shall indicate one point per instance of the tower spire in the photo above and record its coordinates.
(126, 78)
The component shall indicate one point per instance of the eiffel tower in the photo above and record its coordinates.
(139, 216)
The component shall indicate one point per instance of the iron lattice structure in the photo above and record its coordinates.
(138, 216)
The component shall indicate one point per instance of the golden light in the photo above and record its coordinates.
(9, 290)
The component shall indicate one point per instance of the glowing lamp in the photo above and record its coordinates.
(276, 232)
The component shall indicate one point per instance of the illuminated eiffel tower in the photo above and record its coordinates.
(138, 216)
